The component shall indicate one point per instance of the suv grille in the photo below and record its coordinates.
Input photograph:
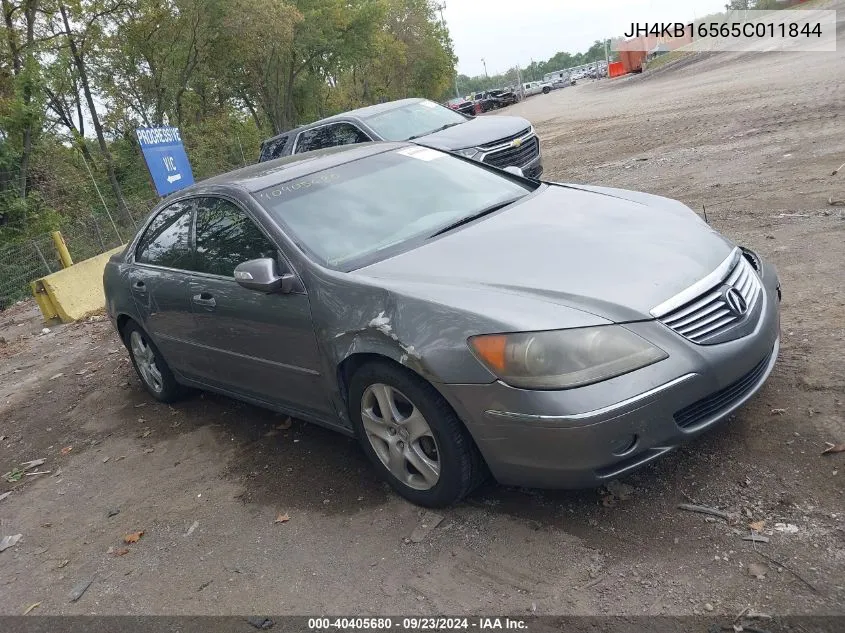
(708, 314)
(711, 405)
(507, 139)
(515, 156)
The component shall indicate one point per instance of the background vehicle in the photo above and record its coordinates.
(441, 311)
(501, 141)
(502, 97)
(464, 106)
(536, 87)
(559, 79)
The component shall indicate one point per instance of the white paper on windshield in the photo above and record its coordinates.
(428, 104)
(421, 153)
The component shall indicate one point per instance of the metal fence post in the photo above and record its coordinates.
(61, 249)
(41, 256)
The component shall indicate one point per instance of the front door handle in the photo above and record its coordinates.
(204, 299)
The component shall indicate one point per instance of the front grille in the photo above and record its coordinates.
(507, 139)
(708, 314)
(714, 403)
(515, 156)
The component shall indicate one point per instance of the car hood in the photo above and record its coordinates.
(478, 131)
(612, 253)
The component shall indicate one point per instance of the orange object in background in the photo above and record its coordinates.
(632, 60)
(615, 69)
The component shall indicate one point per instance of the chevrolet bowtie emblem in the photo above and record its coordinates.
(516, 143)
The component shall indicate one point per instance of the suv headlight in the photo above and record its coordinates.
(469, 152)
(563, 359)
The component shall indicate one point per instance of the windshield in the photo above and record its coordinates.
(415, 119)
(356, 213)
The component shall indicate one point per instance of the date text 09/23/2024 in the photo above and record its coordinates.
(417, 623)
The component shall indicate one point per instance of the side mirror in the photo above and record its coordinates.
(513, 169)
(260, 275)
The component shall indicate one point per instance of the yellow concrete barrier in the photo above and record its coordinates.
(73, 293)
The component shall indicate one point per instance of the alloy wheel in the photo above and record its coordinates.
(145, 359)
(400, 436)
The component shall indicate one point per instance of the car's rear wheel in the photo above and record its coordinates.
(413, 436)
(151, 367)
(546, 90)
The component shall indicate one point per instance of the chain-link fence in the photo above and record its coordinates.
(86, 236)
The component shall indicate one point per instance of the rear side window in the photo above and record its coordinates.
(274, 148)
(167, 240)
(329, 136)
(226, 237)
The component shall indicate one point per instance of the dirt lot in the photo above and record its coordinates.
(755, 139)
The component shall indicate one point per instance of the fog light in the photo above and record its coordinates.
(624, 445)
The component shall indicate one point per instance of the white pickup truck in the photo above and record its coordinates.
(536, 87)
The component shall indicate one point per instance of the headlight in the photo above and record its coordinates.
(469, 152)
(563, 359)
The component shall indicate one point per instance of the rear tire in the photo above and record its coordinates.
(150, 365)
(546, 90)
(418, 445)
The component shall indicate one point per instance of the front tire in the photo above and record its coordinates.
(150, 365)
(412, 436)
(546, 90)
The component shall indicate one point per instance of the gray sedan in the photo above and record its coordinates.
(459, 320)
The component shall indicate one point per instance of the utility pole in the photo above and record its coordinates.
(533, 68)
(440, 7)
(485, 68)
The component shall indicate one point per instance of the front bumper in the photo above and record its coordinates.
(583, 437)
(534, 169)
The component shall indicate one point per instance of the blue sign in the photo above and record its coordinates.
(166, 158)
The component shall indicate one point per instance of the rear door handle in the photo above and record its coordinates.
(204, 299)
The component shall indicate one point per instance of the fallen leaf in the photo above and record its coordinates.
(31, 607)
(63, 564)
(757, 570)
(282, 518)
(757, 526)
(134, 537)
(123, 551)
(66, 450)
(14, 475)
(284, 426)
(833, 448)
(9, 541)
(59, 375)
(149, 450)
(778, 411)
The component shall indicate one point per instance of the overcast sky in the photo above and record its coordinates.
(505, 32)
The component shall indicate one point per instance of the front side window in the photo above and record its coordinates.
(167, 240)
(226, 237)
(363, 210)
(413, 120)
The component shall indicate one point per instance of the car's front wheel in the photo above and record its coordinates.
(151, 367)
(413, 436)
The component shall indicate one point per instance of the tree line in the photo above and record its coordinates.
(77, 77)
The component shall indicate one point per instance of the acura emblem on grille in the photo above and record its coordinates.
(734, 300)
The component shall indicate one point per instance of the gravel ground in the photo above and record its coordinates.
(754, 139)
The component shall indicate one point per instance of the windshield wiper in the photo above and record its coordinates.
(440, 129)
(480, 214)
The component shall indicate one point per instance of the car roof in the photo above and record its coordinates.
(358, 113)
(273, 172)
